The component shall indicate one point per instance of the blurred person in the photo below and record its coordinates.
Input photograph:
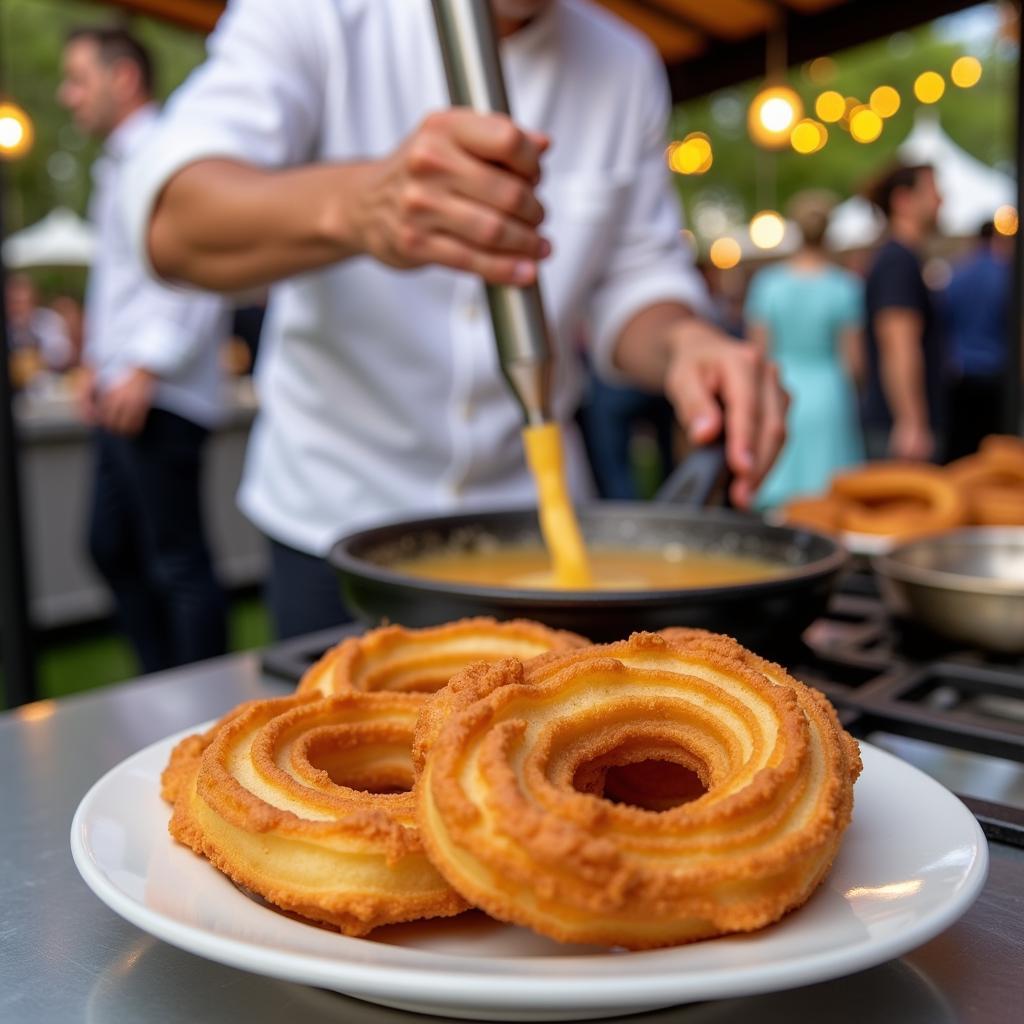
(807, 313)
(611, 416)
(32, 329)
(69, 309)
(903, 406)
(316, 149)
(151, 382)
(977, 307)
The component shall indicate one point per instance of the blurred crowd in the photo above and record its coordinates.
(878, 360)
(876, 363)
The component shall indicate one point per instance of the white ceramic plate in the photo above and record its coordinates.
(868, 544)
(912, 862)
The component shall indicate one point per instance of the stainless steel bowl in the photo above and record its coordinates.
(967, 585)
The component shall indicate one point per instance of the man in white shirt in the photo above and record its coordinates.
(314, 149)
(152, 387)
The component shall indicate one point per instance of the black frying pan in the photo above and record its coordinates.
(762, 614)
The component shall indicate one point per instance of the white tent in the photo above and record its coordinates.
(60, 239)
(971, 190)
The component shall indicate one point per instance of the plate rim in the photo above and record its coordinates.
(443, 986)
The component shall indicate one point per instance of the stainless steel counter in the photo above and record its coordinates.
(64, 957)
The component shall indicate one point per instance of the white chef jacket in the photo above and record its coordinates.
(133, 321)
(380, 389)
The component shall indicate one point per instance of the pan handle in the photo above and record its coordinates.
(702, 478)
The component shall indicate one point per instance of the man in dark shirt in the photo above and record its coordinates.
(977, 309)
(903, 403)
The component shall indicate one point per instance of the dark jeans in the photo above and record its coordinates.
(608, 418)
(303, 593)
(976, 409)
(146, 537)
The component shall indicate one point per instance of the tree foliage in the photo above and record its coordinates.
(32, 33)
(745, 179)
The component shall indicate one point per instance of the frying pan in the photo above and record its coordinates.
(767, 613)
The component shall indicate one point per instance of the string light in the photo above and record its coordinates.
(808, 136)
(767, 229)
(830, 106)
(1005, 220)
(691, 156)
(865, 125)
(966, 72)
(929, 86)
(16, 132)
(885, 101)
(772, 114)
(725, 253)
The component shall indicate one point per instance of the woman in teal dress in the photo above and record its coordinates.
(806, 313)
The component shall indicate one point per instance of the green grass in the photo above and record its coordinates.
(84, 662)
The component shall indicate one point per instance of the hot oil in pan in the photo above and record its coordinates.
(673, 568)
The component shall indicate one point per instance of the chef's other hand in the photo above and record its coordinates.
(124, 407)
(717, 383)
(458, 192)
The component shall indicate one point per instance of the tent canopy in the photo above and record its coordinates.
(60, 239)
(971, 190)
(706, 44)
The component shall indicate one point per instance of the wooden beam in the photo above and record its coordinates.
(201, 15)
(808, 35)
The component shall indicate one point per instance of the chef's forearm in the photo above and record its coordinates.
(226, 226)
(643, 351)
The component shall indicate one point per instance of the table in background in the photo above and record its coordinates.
(56, 464)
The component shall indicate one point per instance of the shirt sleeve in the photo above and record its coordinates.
(897, 282)
(178, 325)
(649, 263)
(256, 99)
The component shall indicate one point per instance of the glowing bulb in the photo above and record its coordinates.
(772, 114)
(16, 132)
(691, 156)
(1005, 220)
(966, 71)
(767, 229)
(808, 136)
(725, 253)
(885, 101)
(830, 106)
(11, 132)
(929, 86)
(865, 125)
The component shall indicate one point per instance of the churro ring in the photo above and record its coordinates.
(423, 660)
(822, 513)
(992, 482)
(901, 500)
(398, 659)
(306, 802)
(503, 753)
(1005, 449)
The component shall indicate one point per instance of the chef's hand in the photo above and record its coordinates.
(124, 407)
(458, 192)
(717, 383)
